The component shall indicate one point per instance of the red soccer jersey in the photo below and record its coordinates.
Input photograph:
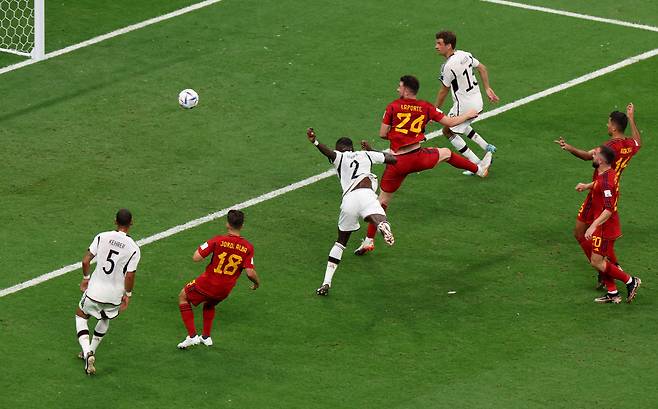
(230, 255)
(605, 194)
(624, 149)
(408, 118)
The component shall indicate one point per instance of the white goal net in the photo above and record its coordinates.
(22, 27)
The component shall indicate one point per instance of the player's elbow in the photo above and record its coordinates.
(196, 257)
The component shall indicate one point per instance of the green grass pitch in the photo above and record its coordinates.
(97, 129)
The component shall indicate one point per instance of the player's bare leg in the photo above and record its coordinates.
(368, 244)
(335, 255)
(458, 142)
(188, 319)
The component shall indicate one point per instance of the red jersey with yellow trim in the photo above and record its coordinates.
(408, 118)
(230, 255)
(605, 194)
(625, 149)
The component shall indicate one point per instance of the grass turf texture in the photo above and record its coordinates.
(521, 330)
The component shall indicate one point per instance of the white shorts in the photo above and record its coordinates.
(98, 310)
(359, 203)
(463, 108)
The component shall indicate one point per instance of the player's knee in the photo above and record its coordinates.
(444, 154)
(182, 297)
(597, 262)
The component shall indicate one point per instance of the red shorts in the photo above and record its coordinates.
(415, 161)
(604, 247)
(196, 296)
(585, 212)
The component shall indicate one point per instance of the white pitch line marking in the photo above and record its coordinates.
(310, 180)
(575, 15)
(111, 34)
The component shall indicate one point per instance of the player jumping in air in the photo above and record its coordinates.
(624, 148)
(605, 227)
(359, 199)
(231, 253)
(404, 126)
(107, 291)
(458, 78)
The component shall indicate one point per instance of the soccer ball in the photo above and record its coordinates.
(188, 98)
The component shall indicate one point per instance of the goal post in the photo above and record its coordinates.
(22, 27)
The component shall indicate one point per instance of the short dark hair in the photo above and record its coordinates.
(411, 83)
(448, 37)
(608, 154)
(235, 218)
(344, 141)
(619, 119)
(124, 218)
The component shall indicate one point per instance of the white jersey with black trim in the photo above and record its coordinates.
(457, 74)
(353, 167)
(116, 254)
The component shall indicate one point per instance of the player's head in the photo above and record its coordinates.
(617, 122)
(344, 144)
(234, 219)
(446, 42)
(603, 156)
(409, 86)
(124, 218)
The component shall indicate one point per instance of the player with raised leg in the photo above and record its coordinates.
(107, 291)
(359, 198)
(458, 78)
(231, 254)
(403, 126)
(605, 228)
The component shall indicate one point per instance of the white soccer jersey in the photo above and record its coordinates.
(457, 74)
(353, 167)
(116, 254)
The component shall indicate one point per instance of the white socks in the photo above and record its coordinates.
(464, 150)
(475, 137)
(83, 334)
(335, 254)
(99, 332)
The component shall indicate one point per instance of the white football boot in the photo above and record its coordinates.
(188, 342)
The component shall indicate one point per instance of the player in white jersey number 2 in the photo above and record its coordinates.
(458, 78)
(359, 198)
(107, 291)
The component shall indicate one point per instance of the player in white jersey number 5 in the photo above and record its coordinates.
(458, 78)
(359, 199)
(107, 291)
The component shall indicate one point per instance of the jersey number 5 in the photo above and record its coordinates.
(416, 125)
(109, 258)
(231, 266)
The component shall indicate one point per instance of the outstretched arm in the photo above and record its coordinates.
(579, 153)
(451, 121)
(630, 113)
(484, 75)
(441, 95)
(388, 158)
(329, 153)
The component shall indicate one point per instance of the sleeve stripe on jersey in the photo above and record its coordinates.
(125, 268)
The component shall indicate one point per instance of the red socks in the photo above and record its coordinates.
(208, 317)
(188, 318)
(615, 272)
(372, 229)
(461, 162)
